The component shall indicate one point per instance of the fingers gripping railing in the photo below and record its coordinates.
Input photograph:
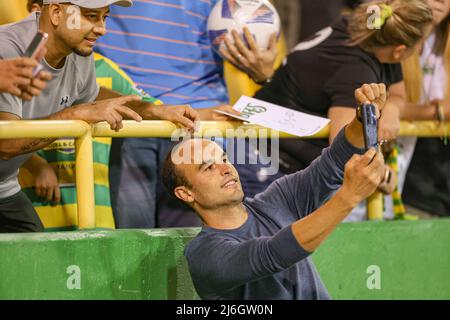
(83, 134)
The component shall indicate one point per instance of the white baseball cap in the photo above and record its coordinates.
(93, 4)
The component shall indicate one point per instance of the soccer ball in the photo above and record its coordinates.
(259, 16)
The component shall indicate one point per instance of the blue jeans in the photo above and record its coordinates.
(138, 197)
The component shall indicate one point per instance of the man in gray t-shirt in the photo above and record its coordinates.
(259, 248)
(72, 30)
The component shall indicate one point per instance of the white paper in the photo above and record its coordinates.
(277, 118)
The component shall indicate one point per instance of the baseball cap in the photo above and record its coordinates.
(93, 4)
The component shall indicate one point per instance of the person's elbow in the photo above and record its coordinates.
(6, 156)
(6, 152)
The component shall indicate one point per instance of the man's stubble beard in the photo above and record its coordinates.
(81, 53)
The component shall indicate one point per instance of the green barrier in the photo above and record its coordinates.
(413, 258)
(138, 264)
(384, 260)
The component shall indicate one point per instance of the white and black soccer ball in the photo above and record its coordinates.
(260, 16)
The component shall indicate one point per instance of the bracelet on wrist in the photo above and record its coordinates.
(440, 114)
(263, 82)
(387, 176)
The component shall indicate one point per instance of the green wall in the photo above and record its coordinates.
(113, 265)
(413, 259)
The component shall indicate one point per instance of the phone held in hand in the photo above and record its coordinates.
(36, 45)
(368, 116)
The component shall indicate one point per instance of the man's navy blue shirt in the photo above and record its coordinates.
(262, 259)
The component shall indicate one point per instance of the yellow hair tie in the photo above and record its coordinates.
(386, 13)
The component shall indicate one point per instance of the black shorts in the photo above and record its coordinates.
(18, 215)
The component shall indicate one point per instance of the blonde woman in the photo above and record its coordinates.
(427, 79)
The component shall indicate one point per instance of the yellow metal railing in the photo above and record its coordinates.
(83, 133)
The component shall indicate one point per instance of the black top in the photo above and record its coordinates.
(322, 72)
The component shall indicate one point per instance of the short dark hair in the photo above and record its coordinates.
(171, 176)
(31, 2)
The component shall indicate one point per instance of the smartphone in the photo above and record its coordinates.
(368, 115)
(35, 47)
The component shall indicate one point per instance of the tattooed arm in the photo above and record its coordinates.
(13, 147)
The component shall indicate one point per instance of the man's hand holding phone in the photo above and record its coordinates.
(368, 94)
(36, 85)
(37, 81)
(371, 99)
(15, 74)
(364, 173)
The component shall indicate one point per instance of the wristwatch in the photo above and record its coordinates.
(264, 82)
(440, 114)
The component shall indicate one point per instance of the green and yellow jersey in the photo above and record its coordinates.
(61, 156)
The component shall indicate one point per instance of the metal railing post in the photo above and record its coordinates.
(375, 206)
(85, 181)
(84, 161)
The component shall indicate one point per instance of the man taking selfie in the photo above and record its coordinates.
(259, 248)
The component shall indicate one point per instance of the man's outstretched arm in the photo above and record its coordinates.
(362, 175)
(112, 111)
(303, 192)
(181, 115)
(257, 258)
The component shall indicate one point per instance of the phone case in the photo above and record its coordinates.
(34, 47)
(36, 44)
(370, 125)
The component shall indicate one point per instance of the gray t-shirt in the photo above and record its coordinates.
(261, 259)
(73, 84)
